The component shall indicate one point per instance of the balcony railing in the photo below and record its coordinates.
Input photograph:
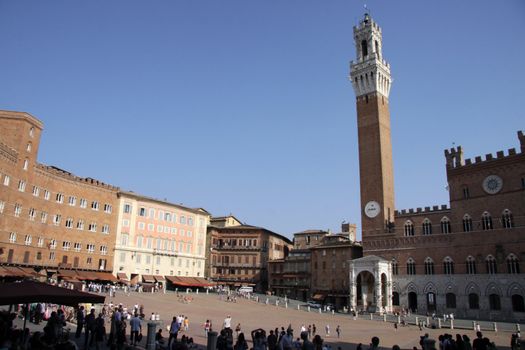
(165, 252)
(237, 265)
(238, 247)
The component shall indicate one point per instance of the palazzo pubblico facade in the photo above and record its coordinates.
(463, 258)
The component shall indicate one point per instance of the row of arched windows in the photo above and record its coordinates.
(471, 266)
(486, 223)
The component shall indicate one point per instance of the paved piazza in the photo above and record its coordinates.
(254, 315)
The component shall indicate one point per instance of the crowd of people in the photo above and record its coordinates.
(274, 339)
(118, 327)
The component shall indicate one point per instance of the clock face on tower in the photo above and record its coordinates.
(492, 184)
(372, 209)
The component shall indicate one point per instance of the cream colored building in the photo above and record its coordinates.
(157, 239)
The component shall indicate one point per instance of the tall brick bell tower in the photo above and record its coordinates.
(370, 75)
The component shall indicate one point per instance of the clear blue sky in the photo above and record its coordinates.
(245, 107)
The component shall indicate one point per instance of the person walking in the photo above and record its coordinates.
(100, 332)
(81, 319)
(338, 331)
(174, 331)
(135, 326)
(186, 324)
(207, 328)
(227, 324)
(89, 328)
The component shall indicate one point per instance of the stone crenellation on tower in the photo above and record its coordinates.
(370, 73)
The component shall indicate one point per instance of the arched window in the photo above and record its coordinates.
(448, 266)
(467, 223)
(395, 269)
(506, 219)
(517, 303)
(364, 48)
(471, 265)
(427, 227)
(429, 266)
(513, 265)
(409, 228)
(473, 301)
(450, 300)
(494, 302)
(411, 267)
(491, 265)
(486, 221)
(445, 225)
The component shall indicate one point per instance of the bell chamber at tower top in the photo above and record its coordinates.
(370, 73)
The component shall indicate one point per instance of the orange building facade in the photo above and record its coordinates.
(50, 218)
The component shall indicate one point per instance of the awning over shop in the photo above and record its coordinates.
(17, 272)
(29, 271)
(189, 281)
(204, 282)
(319, 297)
(159, 278)
(179, 281)
(32, 292)
(4, 272)
(105, 276)
(148, 278)
(84, 276)
(123, 277)
(68, 273)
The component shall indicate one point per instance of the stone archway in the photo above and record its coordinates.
(365, 291)
(370, 282)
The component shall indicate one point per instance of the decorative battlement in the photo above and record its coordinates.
(521, 137)
(435, 208)
(67, 175)
(454, 156)
(366, 22)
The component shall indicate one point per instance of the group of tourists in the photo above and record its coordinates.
(52, 336)
(178, 324)
(274, 339)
